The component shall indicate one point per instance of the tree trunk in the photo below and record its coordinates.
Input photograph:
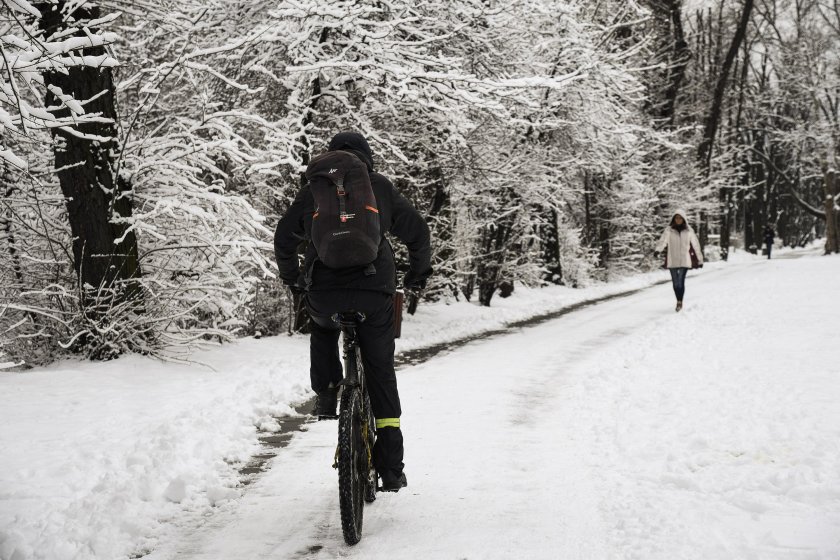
(674, 52)
(550, 249)
(495, 245)
(9, 188)
(704, 150)
(104, 251)
(752, 232)
(588, 227)
(598, 234)
(440, 220)
(488, 273)
(726, 222)
(832, 214)
(468, 287)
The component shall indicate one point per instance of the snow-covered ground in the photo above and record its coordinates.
(623, 430)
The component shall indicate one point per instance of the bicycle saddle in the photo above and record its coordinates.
(349, 318)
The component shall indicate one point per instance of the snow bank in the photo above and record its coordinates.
(96, 457)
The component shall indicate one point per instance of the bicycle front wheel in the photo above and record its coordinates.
(353, 464)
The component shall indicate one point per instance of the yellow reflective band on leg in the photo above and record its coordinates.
(387, 423)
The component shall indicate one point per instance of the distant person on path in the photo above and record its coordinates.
(682, 251)
(769, 237)
(345, 285)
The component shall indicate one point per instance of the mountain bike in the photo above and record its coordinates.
(357, 477)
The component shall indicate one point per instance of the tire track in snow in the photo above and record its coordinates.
(273, 442)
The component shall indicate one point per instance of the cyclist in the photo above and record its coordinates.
(366, 289)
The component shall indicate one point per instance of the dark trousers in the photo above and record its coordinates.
(376, 340)
(678, 278)
(769, 250)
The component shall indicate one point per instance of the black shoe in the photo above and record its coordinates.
(325, 404)
(393, 484)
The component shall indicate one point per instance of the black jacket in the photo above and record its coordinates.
(396, 215)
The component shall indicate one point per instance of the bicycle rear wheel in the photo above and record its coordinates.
(353, 464)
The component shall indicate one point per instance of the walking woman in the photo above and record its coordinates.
(682, 251)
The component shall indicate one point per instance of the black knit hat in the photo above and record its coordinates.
(355, 142)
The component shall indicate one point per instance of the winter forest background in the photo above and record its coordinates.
(149, 147)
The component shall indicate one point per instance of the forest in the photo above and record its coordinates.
(148, 148)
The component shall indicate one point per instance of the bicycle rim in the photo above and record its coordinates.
(352, 465)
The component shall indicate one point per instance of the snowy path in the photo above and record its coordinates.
(594, 436)
(103, 460)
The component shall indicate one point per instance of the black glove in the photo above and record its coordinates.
(412, 283)
(656, 254)
(295, 288)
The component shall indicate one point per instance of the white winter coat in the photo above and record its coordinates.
(678, 243)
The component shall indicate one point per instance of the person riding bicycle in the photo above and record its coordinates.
(366, 289)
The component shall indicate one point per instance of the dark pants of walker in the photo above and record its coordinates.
(376, 340)
(769, 250)
(678, 278)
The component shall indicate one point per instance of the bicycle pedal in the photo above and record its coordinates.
(327, 417)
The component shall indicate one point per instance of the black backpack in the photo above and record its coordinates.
(345, 225)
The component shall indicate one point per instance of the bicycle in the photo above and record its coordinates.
(357, 477)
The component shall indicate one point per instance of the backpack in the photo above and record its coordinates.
(345, 225)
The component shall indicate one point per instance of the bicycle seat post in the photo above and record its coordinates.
(348, 321)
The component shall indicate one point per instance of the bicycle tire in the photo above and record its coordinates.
(372, 477)
(352, 458)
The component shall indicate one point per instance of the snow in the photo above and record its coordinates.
(96, 456)
(79, 43)
(9, 157)
(25, 7)
(622, 430)
(6, 365)
(68, 100)
(6, 120)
